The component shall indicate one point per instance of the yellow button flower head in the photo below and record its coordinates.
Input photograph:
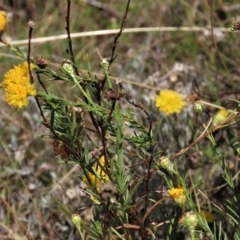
(178, 196)
(17, 86)
(207, 215)
(92, 179)
(169, 102)
(3, 20)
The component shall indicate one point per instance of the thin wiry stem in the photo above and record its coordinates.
(29, 70)
(70, 52)
(29, 51)
(214, 40)
(41, 83)
(113, 56)
(150, 161)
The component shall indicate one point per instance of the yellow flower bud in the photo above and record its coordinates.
(177, 194)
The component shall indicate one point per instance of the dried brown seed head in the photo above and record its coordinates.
(60, 149)
(112, 95)
(41, 62)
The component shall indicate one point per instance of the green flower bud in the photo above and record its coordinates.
(165, 163)
(104, 64)
(190, 221)
(76, 220)
(68, 67)
(198, 107)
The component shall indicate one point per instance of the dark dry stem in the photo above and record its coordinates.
(134, 216)
(37, 100)
(74, 63)
(30, 74)
(94, 122)
(29, 52)
(41, 83)
(69, 38)
(103, 140)
(104, 130)
(110, 114)
(115, 43)
(145, 112)
(41, 111)
(151, 209)
(150, 161)
(214, 40)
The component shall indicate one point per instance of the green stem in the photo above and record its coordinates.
(192, 234)
(82, 90)
(108, 79)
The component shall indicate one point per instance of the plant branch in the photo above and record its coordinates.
(70, 52)
(204, 134)
(29, 49)
(115, 43)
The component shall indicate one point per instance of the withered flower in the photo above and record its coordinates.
(41, 62)
(60, 149)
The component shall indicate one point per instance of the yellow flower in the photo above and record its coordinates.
(169, 102)
(207, 215)
(3, 20)
(17, 86)
(176, 192)
(221, 116)
(178, 196)
(92, 179)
